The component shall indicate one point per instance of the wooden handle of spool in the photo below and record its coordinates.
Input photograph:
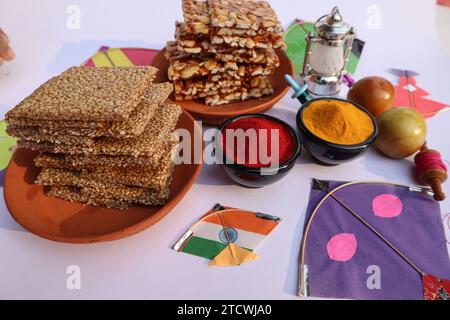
(436, 185)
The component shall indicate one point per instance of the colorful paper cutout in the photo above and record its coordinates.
(121, 57)
(227, 236)
(295, 37)
(435, 288)
(7, 143)
(409, 94)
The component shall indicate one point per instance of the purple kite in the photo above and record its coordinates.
(373, 240)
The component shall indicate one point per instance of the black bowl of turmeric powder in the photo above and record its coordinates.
(335, 131)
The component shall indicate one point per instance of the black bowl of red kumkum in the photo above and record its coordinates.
(246, 154)
(336, 131)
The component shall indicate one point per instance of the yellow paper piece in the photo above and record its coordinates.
(233, 256)
(112, 58)
(100, 59)
(119, 58)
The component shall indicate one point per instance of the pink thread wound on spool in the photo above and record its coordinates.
(429, 160)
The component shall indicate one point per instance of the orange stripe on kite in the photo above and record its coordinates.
(243, 220)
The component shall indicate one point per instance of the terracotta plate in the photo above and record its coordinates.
(216, 115)
(64, 221)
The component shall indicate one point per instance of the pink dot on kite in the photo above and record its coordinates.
(387, 206)
(342, 247)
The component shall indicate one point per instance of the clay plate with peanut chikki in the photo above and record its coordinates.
(95, 158)
(216, 115)
(227, 59)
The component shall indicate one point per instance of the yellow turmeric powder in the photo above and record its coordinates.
(338, 122)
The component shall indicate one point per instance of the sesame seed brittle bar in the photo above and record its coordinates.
(109, 199)
(35, 134)
(157, 132)
(155, 176)
(154, 96)
(74, 194)
(87, 94)
(79, 161)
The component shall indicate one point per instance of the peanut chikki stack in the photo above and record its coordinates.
(224, 51)
(104, 135)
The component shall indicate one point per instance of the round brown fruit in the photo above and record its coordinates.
(375, 94)
(402, 132)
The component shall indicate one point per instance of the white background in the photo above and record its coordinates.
(144, 266)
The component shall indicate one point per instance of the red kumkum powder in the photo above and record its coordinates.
(286, 143)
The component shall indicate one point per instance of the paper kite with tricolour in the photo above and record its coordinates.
(227, 236)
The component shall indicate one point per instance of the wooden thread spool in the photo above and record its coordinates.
(431, 170)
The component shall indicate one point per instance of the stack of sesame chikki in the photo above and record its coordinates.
(224, 50)
(104, 135)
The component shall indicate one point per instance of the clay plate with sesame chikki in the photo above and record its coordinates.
(74, 222)
(96, 155)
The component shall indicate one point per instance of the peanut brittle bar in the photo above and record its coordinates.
(239, 55)
(240, 95)
(197, 23)
(244, 14)
(252, 88)
(194, 45)
(195, 68)
(217, 84)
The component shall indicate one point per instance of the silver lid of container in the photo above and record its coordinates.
(333, 26)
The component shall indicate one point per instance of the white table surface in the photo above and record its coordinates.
(144, 266)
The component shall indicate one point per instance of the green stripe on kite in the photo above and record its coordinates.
(203, 247)
(352, 63)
